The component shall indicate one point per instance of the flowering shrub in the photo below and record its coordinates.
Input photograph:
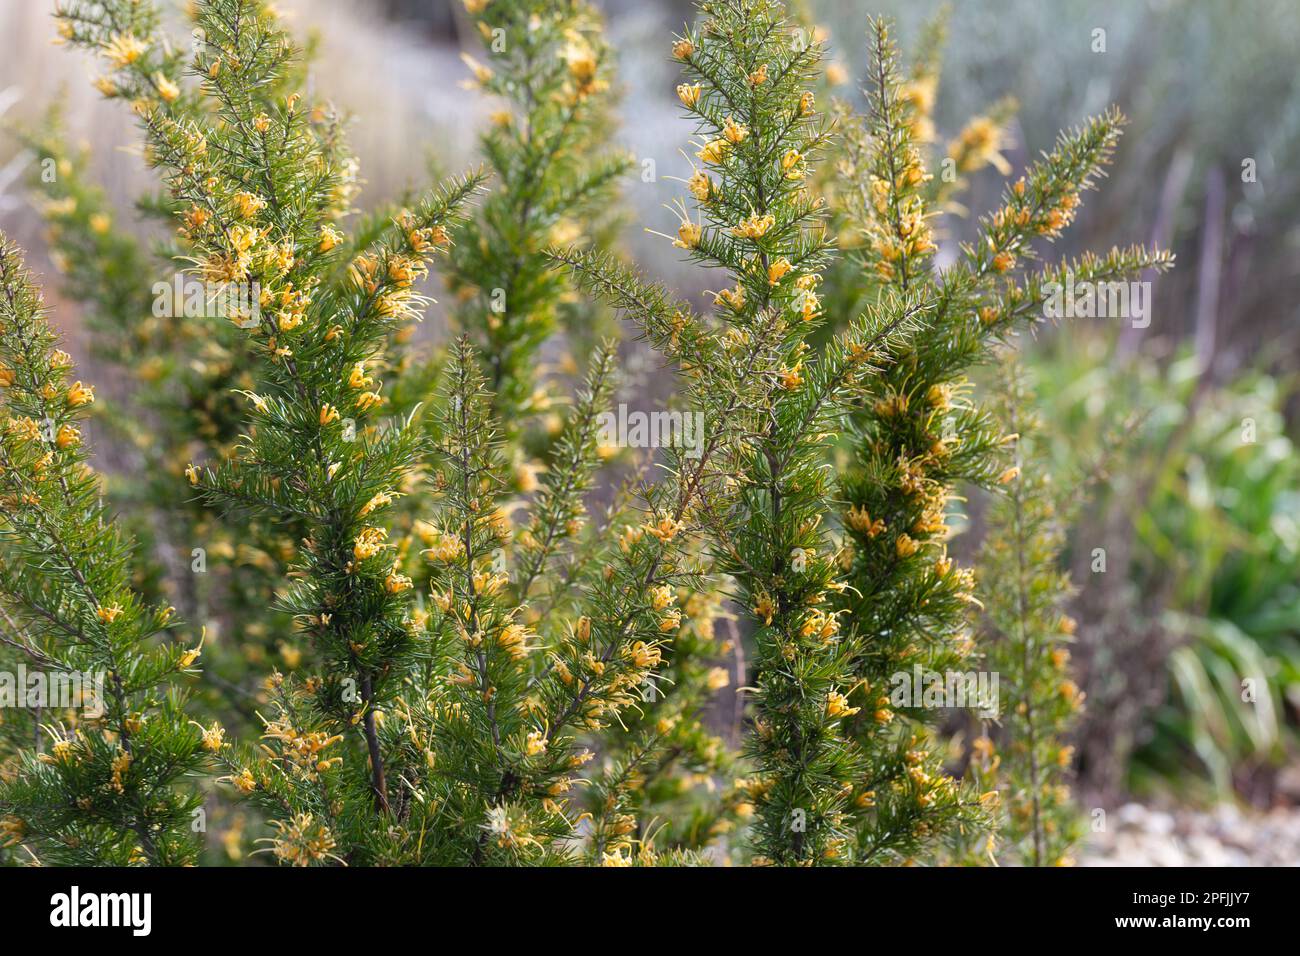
(443, 651)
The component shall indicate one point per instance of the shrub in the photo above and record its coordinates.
(461, 636)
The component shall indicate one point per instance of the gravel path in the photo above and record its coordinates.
(1136, 835)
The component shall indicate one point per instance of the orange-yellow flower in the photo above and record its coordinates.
(80, 394)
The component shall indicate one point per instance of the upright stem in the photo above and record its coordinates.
(1026, 680)
(377, 781)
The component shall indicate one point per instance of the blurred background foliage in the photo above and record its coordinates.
(1204, 593)
(1200, 524)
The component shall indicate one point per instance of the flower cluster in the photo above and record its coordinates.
(101, 779)
(550, 73)
(921, 432)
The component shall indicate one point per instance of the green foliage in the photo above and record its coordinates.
(462, 629)
(920, 433)
(105, 780)
(768, 404)
(554, 177)
(186, 368)
(1025, 590)
(1215, 540)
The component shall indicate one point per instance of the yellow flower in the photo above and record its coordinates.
(67, 436)
(192, 473)
(688, 235)
(754, 227)
(444, 547)
(700, 185)
(732, 298)
(247, 205)
(329, 238)
(920, 93)
(714, 151)
(120, 765)
(837, 705)
(214, 737)
(836, 74)
(665, 529)
(108, 614)
(166, 88)
(820, 625)
(582, 66)
(61, 752)
(481, 73)
(791, 378)
(764, 608)
(689, 95)
(80, 394)
(978, 144)
(189, 657)
(123, 49)
(513, 639)
(790, 163)
(302, 841)
(369, 542)
(759, 76)
(806, 102)
(661, 597)
(328, 414)
(396, 583)
(1011, 474)
(535, 744)
(100, 223)
(244, 781)
(733, 132)
(808, 303)
(905, 546)
(12, 831)
(717, 678)
(682, 49)
(378, 500)
(358, 378)
(859, 519)
(777, 270)
(645, 655)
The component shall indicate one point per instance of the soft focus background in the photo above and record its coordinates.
(1199, 603)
